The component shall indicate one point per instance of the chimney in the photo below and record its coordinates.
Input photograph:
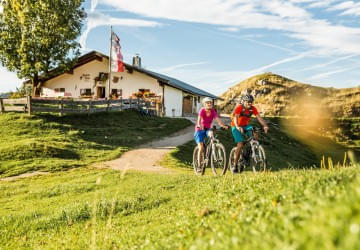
(137, 61)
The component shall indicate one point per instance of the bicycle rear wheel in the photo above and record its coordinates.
(258, 159)
(218, 159)
(198, 169)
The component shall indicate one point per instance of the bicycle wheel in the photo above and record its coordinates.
(258, 159)
(199, 170)
(231, 162)
(218, 159)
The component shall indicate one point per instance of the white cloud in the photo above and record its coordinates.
(178, 66)
(229, 29)
(322, 3)
(348, 8)
(328, 73)
(98, 19)
(271, 15)
(8, 80)
(323, 65)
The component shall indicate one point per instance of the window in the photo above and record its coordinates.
(60, 90)
(116, 92)
(85, 92)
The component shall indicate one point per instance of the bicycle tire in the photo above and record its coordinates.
(218, 164)
(258, 159)
(199, 170)
(231, 162)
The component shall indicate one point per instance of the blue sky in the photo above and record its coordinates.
(214, 44)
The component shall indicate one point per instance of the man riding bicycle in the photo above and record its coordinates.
(240, 125)
(202, 129)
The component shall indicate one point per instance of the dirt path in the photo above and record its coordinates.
(12, 178)
(147, 156)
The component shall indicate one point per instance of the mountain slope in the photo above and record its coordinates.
(277, 95)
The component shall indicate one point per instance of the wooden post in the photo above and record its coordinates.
(108, 105)
(89, 107)
(130, 102)
(28, 104)
(121, 103)
(61, 105)
(1, 106)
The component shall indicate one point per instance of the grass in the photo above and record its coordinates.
(295, 207)
(53, 143)
(92, 208)
(284, 150)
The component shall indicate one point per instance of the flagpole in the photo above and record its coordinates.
(110, 59)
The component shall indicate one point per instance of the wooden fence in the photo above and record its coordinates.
(65, 106)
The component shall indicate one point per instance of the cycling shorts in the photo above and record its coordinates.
(238, 137)
(200, 135)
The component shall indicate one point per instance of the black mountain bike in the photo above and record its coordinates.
(214, 154)
(253, 155)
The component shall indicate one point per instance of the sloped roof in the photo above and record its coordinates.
(173, 82)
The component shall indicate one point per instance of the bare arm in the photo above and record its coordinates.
(198, 122)
(220, 122)
(237, 125)
(263, 123)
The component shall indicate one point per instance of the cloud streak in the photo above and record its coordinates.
(98, 19)
(270, 15)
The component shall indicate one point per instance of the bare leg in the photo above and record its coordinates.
(201, 151)
(256, 135)
(238, 151)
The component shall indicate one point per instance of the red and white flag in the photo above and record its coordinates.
(117, 64)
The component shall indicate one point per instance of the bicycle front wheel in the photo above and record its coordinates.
(198, 169)
(258, 159)
(218, 159)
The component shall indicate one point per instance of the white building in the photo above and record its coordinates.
(89, 79)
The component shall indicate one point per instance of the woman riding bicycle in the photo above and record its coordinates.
(240, 125)
(202, 128)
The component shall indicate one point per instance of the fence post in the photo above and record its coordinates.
(138, 101)
(1, 106)
(121, 103)
(108, 105)
(28, 104)
(89, 107)
(61, 107)
(130, 102)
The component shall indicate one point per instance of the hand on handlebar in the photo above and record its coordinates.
(240, 129)
(266, 128)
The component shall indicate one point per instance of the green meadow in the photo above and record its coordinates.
(52, 143)
(295, 205)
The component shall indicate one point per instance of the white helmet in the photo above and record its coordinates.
(206, 99)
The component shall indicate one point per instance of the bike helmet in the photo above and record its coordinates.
(248, 98)
(206, 99)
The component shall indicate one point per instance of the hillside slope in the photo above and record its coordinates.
(277, 95)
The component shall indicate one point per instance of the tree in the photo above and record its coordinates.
(37, 37)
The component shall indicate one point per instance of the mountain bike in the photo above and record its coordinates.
(214, 154)
(253, 155)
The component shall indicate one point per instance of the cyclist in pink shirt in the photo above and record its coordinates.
(202, 129)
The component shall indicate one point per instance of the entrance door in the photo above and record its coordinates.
(100, 92)
(187, 104)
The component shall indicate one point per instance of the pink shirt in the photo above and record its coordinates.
(205, 119)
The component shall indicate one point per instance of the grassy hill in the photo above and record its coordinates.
(52, 143)
(277, 95)
(294, 206)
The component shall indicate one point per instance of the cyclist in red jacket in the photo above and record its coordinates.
(240, 124)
